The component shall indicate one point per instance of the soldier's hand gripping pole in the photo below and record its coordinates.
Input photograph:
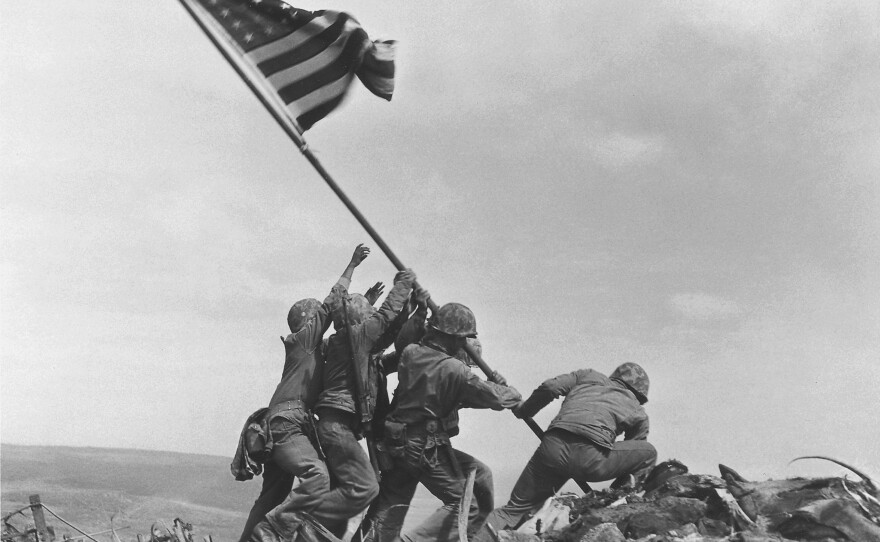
(490, 375)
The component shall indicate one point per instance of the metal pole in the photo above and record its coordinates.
(290, 128)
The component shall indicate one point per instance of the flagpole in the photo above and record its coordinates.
(292, 130)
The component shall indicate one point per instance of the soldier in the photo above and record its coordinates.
(432, 386)
(580, 442)
(342, 415)
(290, 422)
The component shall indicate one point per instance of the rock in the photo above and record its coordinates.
(830, 518)
(694, 486)
(604, 532)
(513, 536)
(663, 472)
(713, 527)
(775, 499)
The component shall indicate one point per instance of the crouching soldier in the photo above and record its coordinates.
(342, 413)
(580, 442)
(289, 419)
(432, 386)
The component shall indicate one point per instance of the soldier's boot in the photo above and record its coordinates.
(264, 532)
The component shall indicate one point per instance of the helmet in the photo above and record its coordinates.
(635, 378)
(359, 309)
(455, 319)
(301, 312)
(462, 354)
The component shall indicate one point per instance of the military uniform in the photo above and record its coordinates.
(291, 424)
(580, 442)
(339, 424)
(433, 385)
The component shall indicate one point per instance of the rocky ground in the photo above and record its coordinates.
(680, 506)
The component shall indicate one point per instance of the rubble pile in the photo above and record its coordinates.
(680, 506)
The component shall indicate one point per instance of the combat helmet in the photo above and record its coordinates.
(301, 312)
(359, 309)
(633, 377)
(454, 319)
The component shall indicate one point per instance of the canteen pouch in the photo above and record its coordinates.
(256, 441)
(395, 438)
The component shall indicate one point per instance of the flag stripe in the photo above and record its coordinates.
(304, 61)
(377, 69)
(306, 120)
(333, 53)
(343, 66)
(306, 50)
(293, 40)
(333, 91)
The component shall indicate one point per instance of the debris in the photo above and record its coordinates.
(553, 516)
(869, 483)
(681, 506)
(604, 532)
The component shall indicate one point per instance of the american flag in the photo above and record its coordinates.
(307, 58)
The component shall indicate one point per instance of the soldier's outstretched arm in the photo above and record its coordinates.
(360, 254)
(312, 333)
(545, 393)
(391, 307)
(478, 393)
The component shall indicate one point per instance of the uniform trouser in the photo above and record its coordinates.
(276, 486)
(560, 457)
(354, 480)
(275, 512)
(386, 516)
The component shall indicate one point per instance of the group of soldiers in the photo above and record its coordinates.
(333, 393)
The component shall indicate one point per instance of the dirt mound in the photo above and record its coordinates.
(680, 506)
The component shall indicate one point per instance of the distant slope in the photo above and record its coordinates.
(86, 486)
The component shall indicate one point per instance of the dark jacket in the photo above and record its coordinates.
(432, 385)
(301, 378)
(595, 407)
(338, 380)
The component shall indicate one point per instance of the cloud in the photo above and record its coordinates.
(618, 150)
(699, 306)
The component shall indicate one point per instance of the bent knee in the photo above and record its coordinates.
(360, 496)
(651, 451)
(370, 494)
(483, 475)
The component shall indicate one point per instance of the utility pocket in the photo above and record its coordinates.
(395, 438)
(257, 442)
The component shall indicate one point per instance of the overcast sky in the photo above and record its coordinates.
(691, 186)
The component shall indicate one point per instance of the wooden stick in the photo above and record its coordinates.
(464, 506)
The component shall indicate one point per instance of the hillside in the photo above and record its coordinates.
(86, 486)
